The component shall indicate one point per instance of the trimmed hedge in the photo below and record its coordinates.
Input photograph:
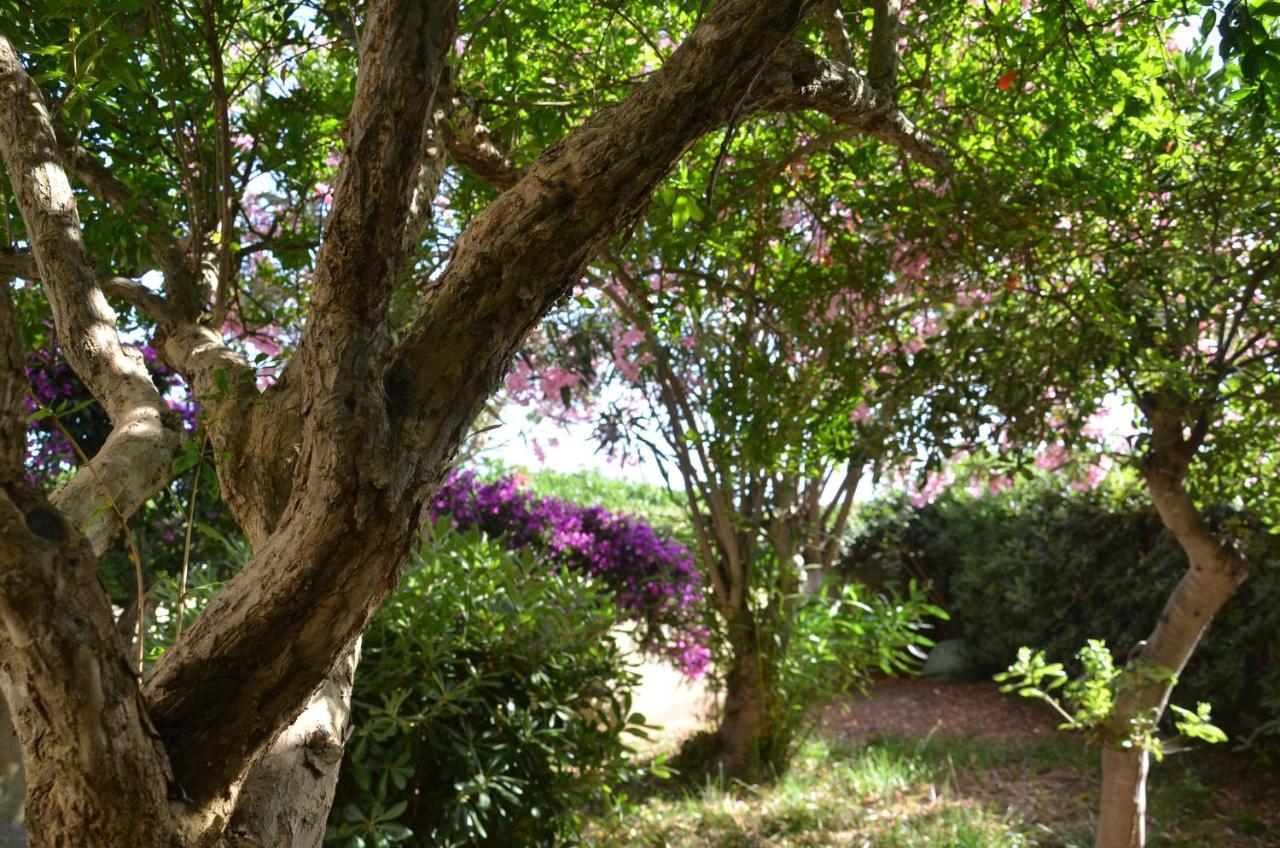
(1049, 566)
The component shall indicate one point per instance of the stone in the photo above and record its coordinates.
(951, 661)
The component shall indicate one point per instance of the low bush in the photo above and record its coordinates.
(1052, 567)
(655, 581)
(492, 703)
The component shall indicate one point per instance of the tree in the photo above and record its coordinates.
(328, 469)
(1155, 286)
(738, 355)
(788, 334)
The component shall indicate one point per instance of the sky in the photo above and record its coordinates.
(563, 448)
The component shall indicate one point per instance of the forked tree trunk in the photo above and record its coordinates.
(1215, 572)
(112, 763)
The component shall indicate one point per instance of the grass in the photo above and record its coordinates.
(953, 793)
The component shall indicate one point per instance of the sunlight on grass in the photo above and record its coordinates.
(888, 793)
(953, 792)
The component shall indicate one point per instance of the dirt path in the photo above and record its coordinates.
(912, 706)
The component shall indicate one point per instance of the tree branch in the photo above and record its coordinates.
(189, 291)
(63, 668)
(831, 19)
(882, 58)
(798, 79)
(471, 146)
(266, 641)
(530, 246)
(135, 459)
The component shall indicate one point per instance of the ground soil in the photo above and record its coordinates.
(912, 706)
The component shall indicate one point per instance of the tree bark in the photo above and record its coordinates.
(63, 668)
(13, 789)
(286, 797)
(367, 427)
(742, 739)
(1214, 573)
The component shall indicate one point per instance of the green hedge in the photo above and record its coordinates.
(1048, 566)
(491, 707)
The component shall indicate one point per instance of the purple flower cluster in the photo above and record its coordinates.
(56, 386)
(653, 579)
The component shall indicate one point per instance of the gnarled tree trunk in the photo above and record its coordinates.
(329, 470)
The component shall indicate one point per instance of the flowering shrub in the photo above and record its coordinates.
(654, 579)
(55, 386)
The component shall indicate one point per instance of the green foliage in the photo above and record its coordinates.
(835, 641)
(1051, 567)
(492, 705)
(1088, 702)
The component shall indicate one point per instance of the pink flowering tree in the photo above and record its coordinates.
(751, 358)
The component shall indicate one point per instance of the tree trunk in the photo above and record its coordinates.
(13, 789)
(1215, 571)
(745, 725)
(1124, 798)
(286, 798)
(112, 763)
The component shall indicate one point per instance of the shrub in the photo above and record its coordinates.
(1052, 567)
(654, 578)
(837, 640)
(491, 706)
(665, 511)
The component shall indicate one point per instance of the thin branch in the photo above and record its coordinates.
(224, 191)
(831, 19)
(882, 61)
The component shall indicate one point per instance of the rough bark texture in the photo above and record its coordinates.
(330, 468)
(744, 725)
(282, 623)
(286, 798)
(1215, 571)
(63, 668)
(134, 462)
(13, 788)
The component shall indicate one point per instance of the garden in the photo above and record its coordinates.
(682, 424)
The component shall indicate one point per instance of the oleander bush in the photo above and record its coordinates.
(492, 705)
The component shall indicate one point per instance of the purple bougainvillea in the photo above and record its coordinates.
(654, 579)
(54, 385)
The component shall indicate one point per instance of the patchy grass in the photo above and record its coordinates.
(966, 792)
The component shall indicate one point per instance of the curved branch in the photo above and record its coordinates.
(63, 671)
(135, 459)
(472, 147)
(798, 79)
